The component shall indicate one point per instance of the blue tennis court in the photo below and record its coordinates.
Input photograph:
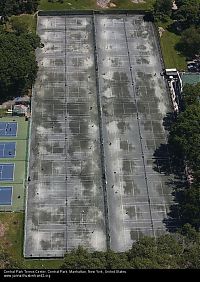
(7, 149)
(6, 172)
(8, 128)
(6, 195)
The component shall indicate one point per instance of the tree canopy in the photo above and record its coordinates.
(18, 66)
(163, 8)
(191, 95)
(190, 42)
(185, 135)
(189, 207)
(18, 25)
(188, 12)
(16, 7)
(170, 251)
(185, 138)
(81, 258)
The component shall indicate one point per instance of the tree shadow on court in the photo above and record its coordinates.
(169, 162)
(148, 17)
(168, 120)
(174, 221)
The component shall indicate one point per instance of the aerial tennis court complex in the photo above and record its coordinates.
(97, 112)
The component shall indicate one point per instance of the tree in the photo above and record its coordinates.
(142, 254)
(191, 258)
(190, 233)
(188, 12)
(117, 260)
(149, 253)
(163, 8)
(18, 25)
(16, 7)
(189, 44)
(81, 258)
(170, 251)
(190, 206)
(191, 254)
(191, 94)
(185, 136)
(18, 66)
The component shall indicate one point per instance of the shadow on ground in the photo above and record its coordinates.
(176, 172)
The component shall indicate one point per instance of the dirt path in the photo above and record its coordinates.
(103, 3)
(138, 1)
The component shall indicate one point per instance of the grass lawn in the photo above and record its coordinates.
(128, 4)
(2, 112)
(91, 4)
(12, 242)
(172, 58)
(168, 40)
(75, 4)
(29, 20)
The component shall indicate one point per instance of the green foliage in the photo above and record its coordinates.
(185, 21)
(72, 4)
(171, 251)
(54, 1)
(190, 233)
(163, 9)
(18, 67)
(16, 7)
(190, 206)
(148, 253)
(185, 138)
(81, 258)
(192, 257)
(170, 245)
(190, 42)
(188, 12)
(92, 4)
(29, 21)
(185, 135)
(117, 260)
(191, 94)
(18, 25)
(145, 248)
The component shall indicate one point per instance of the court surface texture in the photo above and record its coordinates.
(8, 129)
(7, 149)
(97, 120)
(6, 172)
(6, 196)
